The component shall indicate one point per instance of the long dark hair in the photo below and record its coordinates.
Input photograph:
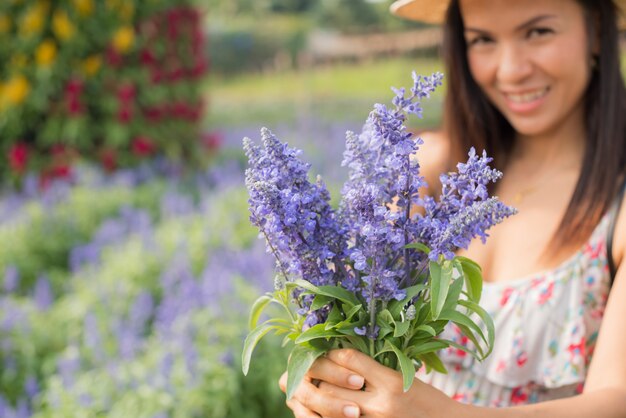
(471, 120)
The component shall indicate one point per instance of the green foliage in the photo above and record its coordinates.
(259, 41)
(359, 16)
(71, 221)
(112, 81)
(403, 341)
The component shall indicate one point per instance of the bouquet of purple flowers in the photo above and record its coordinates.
(376, 275)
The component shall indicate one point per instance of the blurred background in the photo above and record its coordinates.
(127, 262)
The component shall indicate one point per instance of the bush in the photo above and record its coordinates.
(255, 46)
(114, 81)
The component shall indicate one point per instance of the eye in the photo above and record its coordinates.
(539, 32)
(479, 40)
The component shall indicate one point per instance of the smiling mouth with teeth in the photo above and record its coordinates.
(527, 97)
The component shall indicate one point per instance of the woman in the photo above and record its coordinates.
(537, 84)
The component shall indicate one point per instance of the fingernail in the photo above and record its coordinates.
(356, 381)
(351, 411)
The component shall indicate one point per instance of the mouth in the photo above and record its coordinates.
(527, 97)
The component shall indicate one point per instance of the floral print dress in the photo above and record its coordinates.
(546, 326)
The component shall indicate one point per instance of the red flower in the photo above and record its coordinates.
(18, 157)
(126, 93)
(154, 113)
(124, 115)
(212, 140)
(60, 171)
(147, 57)
(73, 90)
(108, 158)
(143, 146)
(74, 87)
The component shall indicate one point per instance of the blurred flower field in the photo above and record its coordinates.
(127, 295)
(127, 267)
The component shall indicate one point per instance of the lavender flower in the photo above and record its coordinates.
(292, 213)
(464, 210)
(365, 247)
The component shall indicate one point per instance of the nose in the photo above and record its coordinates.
(514, 65)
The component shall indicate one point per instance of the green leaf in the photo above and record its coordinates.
(334, 317)
(257, 309)
(401, 328)
(320, 301)
(454, 292)
(469, 261)
(427, 329)
(332, 291)
(432, 361)
(406, 366)
(396, 306)
(418, 246)
(353, 311)
(300, 361)
(316, 331)
(440, 277)
(251, 341)
(427, 347)
(463, 320)
(487, 320)
(473, 278)
(357, 342)
(462, 348)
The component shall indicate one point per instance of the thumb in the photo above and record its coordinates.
(282, 382)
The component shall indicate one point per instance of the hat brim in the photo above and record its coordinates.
(434, 11)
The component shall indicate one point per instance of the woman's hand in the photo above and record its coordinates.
(381, 397)
(319, 391)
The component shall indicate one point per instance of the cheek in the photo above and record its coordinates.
(481, 69)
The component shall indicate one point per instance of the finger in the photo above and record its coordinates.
(357, 396)
(299, 411)
(329, 371)
(282, 382)
(362, 365)
(324, 403)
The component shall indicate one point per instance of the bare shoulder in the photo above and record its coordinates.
(433, 156)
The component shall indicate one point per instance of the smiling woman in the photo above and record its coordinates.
(537, 84)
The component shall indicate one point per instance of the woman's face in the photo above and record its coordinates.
(531, 58)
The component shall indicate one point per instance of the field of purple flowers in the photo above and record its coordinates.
(128, 294)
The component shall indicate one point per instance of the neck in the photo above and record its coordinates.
(563, 146)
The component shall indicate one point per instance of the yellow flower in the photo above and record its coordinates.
(15, 90)
(33, 20)
(62, 26)
(92, 64)
(84, 7)
(5, 23)
(46, 52)
(123, 39)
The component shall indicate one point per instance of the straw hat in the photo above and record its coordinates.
(434, 11)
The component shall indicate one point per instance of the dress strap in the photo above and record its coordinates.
(611, 232)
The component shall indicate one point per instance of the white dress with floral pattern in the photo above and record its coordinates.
(546, 329)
